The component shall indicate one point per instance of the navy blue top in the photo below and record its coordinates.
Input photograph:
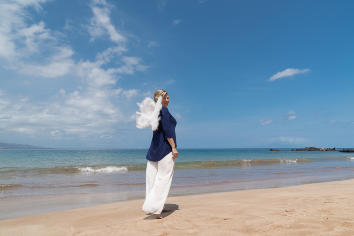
(159, 146)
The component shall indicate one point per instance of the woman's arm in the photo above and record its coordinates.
(173, 146)
(168, 131)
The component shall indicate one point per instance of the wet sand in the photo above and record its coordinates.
(311, 209)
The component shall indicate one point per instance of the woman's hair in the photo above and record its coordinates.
(158, 93)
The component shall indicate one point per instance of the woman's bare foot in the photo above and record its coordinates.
(158, 216)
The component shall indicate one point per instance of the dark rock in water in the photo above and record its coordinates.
(347, 150)
(316, 149)
(273, 150)
(307, 149)
(330, 149)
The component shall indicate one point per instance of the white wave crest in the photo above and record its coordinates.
(288, 161)
(105, 170)
(350, 158)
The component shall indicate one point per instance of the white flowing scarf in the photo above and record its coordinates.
(148, 114)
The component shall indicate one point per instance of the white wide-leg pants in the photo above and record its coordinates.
(158, 182)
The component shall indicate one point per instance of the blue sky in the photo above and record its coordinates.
(239, 73)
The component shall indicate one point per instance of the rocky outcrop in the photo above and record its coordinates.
(329, 149)
(306, 149)
(347, 150)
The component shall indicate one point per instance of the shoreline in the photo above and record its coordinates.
(309, 209)
(32, 205)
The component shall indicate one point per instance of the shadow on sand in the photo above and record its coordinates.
(168, 210)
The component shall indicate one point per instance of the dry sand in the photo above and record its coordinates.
(312, 209)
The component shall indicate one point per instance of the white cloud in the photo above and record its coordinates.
(13, 28)
(291, 115)
(101, 22)
(289, 140)
(107, 55)
(55, 133)
(176, 21)
(130, 65)
(288, 73)
(170, 81)
(59, 64)
(31, 49)
(81, 113)
(130, 93)
(161, 4)
(33, 34)
(265, 122)
(90, 109)
(152, 44)
(94, 75)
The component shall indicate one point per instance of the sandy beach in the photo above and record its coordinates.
(311, 209)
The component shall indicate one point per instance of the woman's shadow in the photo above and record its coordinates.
(167, 210)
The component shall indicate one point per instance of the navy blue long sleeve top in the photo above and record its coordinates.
(159, 146)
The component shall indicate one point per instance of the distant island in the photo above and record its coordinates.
(309, 149)
(18, 146)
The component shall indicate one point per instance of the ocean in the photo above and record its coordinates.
(45, 180)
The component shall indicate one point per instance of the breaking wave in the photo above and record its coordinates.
(121, 169)
(108, 169)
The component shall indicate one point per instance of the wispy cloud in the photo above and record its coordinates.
(107, 55)
(130, 93)
(75, 114)
(291, 115)
(129, 66)
(12, 17)
(176, 21)
(289, 140)
(153, 44)
(32, 49)
(288, 73)
(161, 4)
(59, 64)
(265, 122)
(101, 22)
(170, 81)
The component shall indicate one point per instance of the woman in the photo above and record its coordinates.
(161, 156)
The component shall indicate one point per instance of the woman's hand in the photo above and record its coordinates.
(174, 149)
(174, 153)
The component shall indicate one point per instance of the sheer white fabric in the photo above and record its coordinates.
(148, 114)
(158, 182)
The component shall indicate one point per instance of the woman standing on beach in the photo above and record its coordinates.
(161, 156)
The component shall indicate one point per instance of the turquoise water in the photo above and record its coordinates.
(117, 175)
(48, 171)
(34, 159)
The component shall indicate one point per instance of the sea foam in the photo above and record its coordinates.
(105, 170)
(287, 161)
